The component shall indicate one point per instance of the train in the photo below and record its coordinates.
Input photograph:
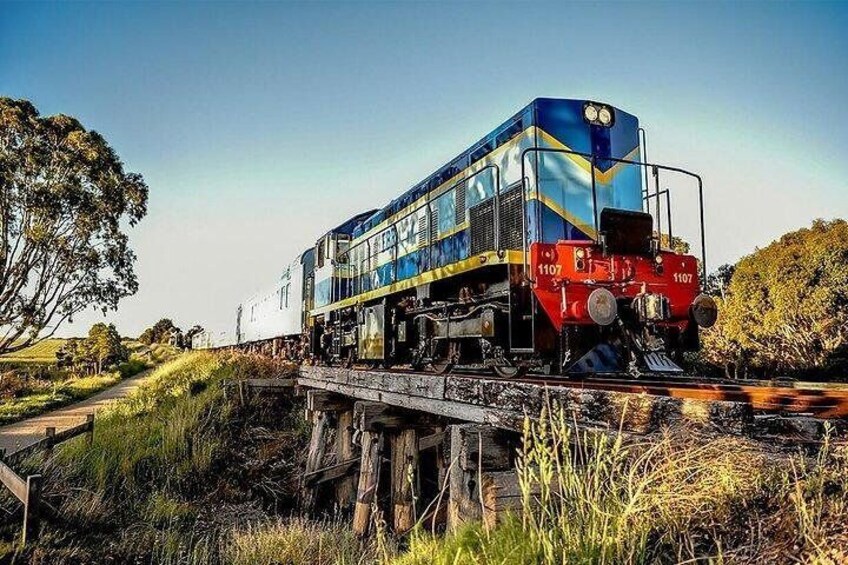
(539, 248)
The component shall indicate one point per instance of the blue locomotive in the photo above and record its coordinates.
(532, 249)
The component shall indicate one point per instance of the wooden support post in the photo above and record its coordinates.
(440, 512)
(502, 494)
(50, 434)
(315, 455)
(463, 505)
(369, 477)
(404, 478)
(346, 486)
(475, 449)
(317, 443)
(89, 419)
(31, 514)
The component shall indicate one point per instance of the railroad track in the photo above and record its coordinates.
(763, 396)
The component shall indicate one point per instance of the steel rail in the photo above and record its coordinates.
(821, 403)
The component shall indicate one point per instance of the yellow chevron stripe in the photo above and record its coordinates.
(582, 162)
(588, 229)
(600, 176)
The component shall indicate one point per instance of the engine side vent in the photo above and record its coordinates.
(460, 203)
(422, 230)
(512, 227)
(482, 218)
(434, 224)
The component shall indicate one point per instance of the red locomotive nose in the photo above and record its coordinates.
(567, 274)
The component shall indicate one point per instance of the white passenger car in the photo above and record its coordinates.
(276, 311)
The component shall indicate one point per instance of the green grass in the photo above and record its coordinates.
(176, 468)
(44, 395)
(299, 541)
(178, 473)
(43, 353)
(56, 396)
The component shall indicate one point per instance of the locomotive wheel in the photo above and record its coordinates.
(508, 371)
(444, 365)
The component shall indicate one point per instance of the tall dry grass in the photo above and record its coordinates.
(599, 499)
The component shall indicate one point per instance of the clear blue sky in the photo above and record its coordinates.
(257, 126)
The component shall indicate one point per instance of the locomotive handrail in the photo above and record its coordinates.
(667, 194)
(646, 197)
(592, 159)
(428, 205)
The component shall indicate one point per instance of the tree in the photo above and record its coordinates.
(92, 354)
(146, 337)
(189, 335)
(105, 346)
(163, 331)
(64, 201)
(786, 307)
(719, 280)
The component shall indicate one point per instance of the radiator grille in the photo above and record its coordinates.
(482, 218)
(460, 203)
(422, 230)
(512, 228)
(434, 224)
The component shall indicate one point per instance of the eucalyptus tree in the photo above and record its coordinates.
(785, 307)
(65, 205)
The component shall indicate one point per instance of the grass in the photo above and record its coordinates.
(27, 394)
(299, 541)
(43, 352)
(599, 500)
(179, 473)
(48, 395)
(175, 468)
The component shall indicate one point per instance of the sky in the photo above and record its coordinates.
(257, 126)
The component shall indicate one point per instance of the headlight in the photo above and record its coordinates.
(580, 252)
(598, 114)
(602, 307)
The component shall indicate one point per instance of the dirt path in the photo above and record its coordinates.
(20, 434)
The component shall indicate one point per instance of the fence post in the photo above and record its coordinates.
(31, 515)
(50, 433)
(89, 419)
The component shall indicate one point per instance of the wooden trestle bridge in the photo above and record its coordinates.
(442, 448)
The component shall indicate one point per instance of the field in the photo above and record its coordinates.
(31, 383)
(42, 353)
(182, 473)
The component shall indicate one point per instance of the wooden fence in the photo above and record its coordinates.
(28, 490)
